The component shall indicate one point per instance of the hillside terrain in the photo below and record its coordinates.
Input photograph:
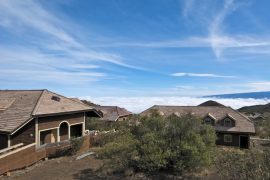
(255, 95)
(260, 114)
(256, 109)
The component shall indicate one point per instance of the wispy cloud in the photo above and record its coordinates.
(215, 34)
(53, 46)
(259, 86)
(216, 38)
(181, 74)
(187, 7)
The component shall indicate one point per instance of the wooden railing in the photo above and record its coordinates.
(11, 148)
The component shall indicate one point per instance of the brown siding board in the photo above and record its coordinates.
(54, 121)
(235, 140)
(31, 155)
(23, 135)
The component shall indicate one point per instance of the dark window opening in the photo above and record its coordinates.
(76, 130)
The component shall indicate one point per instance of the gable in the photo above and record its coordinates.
(17, 107)
(52, 103)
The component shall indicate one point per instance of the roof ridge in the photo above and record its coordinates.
(243, 115)
(70, 99)
(190, 106)
(38, 102)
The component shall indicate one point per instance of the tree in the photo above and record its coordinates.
(158, 143)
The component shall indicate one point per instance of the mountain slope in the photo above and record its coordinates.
(257, 108)
(255, 95)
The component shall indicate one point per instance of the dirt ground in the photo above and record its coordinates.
(59, 168)
(69, 168)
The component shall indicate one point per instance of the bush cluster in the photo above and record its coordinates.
(249, 164)
(157, 143)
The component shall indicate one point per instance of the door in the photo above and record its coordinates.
(244, 142)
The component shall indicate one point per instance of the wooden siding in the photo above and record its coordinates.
(25, 135)
(235, 139)
(3, 141)
(54, 121)
(20, 159)
(26, 156)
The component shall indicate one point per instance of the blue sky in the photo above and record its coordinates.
(135, 48)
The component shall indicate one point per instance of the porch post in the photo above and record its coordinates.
(58, 134)
(36, 133)
(9, 140)
(83, 127)
(68, 131)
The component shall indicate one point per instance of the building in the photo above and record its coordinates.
(232, 128)
(113, 113)
(41, 117)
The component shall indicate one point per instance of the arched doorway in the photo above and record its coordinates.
(64, 131)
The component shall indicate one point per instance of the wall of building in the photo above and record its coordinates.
(28, 155)
(235, 139)
(24, 135)
(3, 141)
(54, 121)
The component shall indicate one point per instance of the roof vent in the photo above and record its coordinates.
(55, 98)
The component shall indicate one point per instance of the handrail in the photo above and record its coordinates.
(260, 139)
(11, 148)
(17, 150)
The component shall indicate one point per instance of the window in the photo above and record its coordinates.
(227, 122)
(227, 138)
(55, 98)
(208, 121)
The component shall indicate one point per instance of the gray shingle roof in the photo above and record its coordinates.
(242, 123)
(20, 110)
(112, 113)
(19, 106)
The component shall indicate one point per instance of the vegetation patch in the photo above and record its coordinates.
(159, 144)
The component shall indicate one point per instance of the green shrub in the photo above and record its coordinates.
(76, 144)
(244, 165)
(175, 144)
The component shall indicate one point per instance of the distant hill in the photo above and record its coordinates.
(211, 103)
(257, 108)
(255, 95)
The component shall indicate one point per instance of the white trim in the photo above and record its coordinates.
(48, 129)
(11, 148)
(21, 126)
(76, 124)
(8, 141)
(58, 134)
(68, 129)
(36, 133)
(83, 128)
(45, 130)
(63, 122)
(225, 138)
(17, 150)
